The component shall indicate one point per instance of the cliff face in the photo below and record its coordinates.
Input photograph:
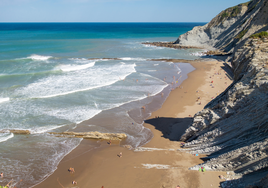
(233, 128)
(229, 28)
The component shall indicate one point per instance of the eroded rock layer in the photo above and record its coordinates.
(229, 28)
(233, 128)
(92, 135)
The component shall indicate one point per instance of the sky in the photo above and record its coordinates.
(112, 10)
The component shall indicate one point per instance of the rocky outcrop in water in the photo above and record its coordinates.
(169, 45)
(233, 128)
(92, 135)
(14, 131)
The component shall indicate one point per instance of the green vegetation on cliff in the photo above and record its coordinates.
(230, 12)
(261, 35)
(234, 11)
(241, 34)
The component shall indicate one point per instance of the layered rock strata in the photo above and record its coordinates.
(230, 28)
(233, 128)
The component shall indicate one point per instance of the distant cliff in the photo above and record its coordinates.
(233, 128)
(230, 28)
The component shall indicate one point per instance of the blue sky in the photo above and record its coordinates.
(112, 10)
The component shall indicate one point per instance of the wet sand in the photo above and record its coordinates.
(162, 166)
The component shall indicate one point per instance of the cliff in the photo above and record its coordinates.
(230, 28)
(233, 128)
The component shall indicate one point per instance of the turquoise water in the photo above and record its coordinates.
(82, 76)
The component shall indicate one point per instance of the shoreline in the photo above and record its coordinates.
(102, 167)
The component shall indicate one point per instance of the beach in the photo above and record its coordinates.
(157, 163)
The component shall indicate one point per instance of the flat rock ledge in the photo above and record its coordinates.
(216, 53)
(91, 135)
(169, 45)
(15, 131)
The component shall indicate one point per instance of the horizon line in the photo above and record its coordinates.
(98, 22)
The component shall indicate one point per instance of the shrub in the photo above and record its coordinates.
(241, 34)
(235, 11)
(260, 35)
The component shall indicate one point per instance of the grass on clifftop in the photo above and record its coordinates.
(260, 35)
(230, 12)
(233, 11)
(246, 3)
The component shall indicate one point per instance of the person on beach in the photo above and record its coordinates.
(74, 182)
(203, 169)
(2, 174)
(71, 170)
(110, 142)
(178, 186)
(120, 154)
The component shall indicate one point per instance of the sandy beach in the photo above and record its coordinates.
(157, 163)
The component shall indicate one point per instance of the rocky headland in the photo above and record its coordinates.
(233, 128)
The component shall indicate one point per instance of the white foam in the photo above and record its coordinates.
(39, 57)
(81, 60)
(68, 68)
(157, 166)
(126, 58)
(154, 47)
(5, 136)
(132, 59)
(199, 54)
(103, 59)
(73, 91)
(73, 82)
(4, 100)
(151, 89)
(155, 78)
(40, 130)
(73, 114)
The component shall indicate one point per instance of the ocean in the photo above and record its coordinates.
(82, 77)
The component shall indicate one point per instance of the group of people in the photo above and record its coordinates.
(71, 170)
